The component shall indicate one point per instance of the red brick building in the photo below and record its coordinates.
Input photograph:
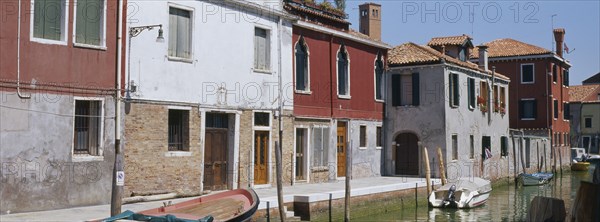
(338, 99)
(539, 92)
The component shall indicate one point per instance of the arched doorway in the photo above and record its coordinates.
(407, 154)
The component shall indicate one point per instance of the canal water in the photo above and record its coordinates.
(506, 203)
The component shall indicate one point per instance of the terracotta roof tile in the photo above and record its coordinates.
(584, 93)
(449, 40)
(510, 47)
(413, 54)
(322, 14)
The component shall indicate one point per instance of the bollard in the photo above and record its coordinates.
(268, 212)
(330, 196)
(416, 201)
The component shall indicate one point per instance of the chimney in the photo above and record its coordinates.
(370, 20)
(483, 57)
(559, 38)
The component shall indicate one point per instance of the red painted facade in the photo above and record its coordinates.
(56, 64)
(544, 90)
(323, 101)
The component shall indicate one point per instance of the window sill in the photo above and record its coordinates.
(378, 147)
(405, 106)
(86, 46)
(303, 92)
(527, 82)
(454, 106)
(344, 97)
(48, 41)
(379, 100)
(319, 169)
(178, 59)
(362, 148)
(528, 119)
(178, 153)
(87, 158)
(262, 71)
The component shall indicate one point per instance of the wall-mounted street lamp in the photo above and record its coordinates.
(134, 32)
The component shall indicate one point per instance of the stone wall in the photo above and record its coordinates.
(149, 166)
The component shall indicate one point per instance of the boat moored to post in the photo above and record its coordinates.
(468, 192)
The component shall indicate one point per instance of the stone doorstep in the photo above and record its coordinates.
(340, 194)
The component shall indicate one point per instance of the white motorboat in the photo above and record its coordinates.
(467, 192)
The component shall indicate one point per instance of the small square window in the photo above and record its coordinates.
(588, 122)
(262, 119)
(527, 73)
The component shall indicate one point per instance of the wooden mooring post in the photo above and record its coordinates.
(279, 173)
(442, 167)
(427, 170)
(546, 209)
(348, 178)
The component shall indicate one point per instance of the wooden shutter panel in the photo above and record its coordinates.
(396, 90)
(456, 100)
(415, 89)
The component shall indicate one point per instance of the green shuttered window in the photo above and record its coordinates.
(89, 22)
(48, 19)
(406, 90)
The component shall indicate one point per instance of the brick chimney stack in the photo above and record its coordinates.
(559, 38)
(370, 20)
(483, 57)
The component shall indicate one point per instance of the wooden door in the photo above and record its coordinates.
(341, 149)
(407, 154)
(261, 147)
(300, 150)
(215, 159)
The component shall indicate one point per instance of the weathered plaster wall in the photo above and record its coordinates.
(366, 161)
(426, 120)
(39, 171)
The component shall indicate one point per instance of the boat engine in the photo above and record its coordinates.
(450, 198)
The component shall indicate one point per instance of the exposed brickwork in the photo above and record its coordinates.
(147, 169)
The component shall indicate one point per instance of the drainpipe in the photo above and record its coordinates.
(117, 191)
(491, 97)
(280, 147)
(19, 55)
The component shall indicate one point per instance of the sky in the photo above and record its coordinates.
(526, 21)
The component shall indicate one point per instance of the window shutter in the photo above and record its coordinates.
(183, 34)
(521, 109)
(456, 90)
(415, 89)
(396, 90)
(172, 32)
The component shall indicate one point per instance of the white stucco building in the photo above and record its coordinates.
(204, 104)
(437, 99)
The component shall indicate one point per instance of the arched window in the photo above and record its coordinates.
(343, 72)
(302, 80)
(379, 77)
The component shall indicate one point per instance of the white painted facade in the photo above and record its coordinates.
(220, 71)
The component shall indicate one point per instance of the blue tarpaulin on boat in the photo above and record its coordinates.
(130, 215)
